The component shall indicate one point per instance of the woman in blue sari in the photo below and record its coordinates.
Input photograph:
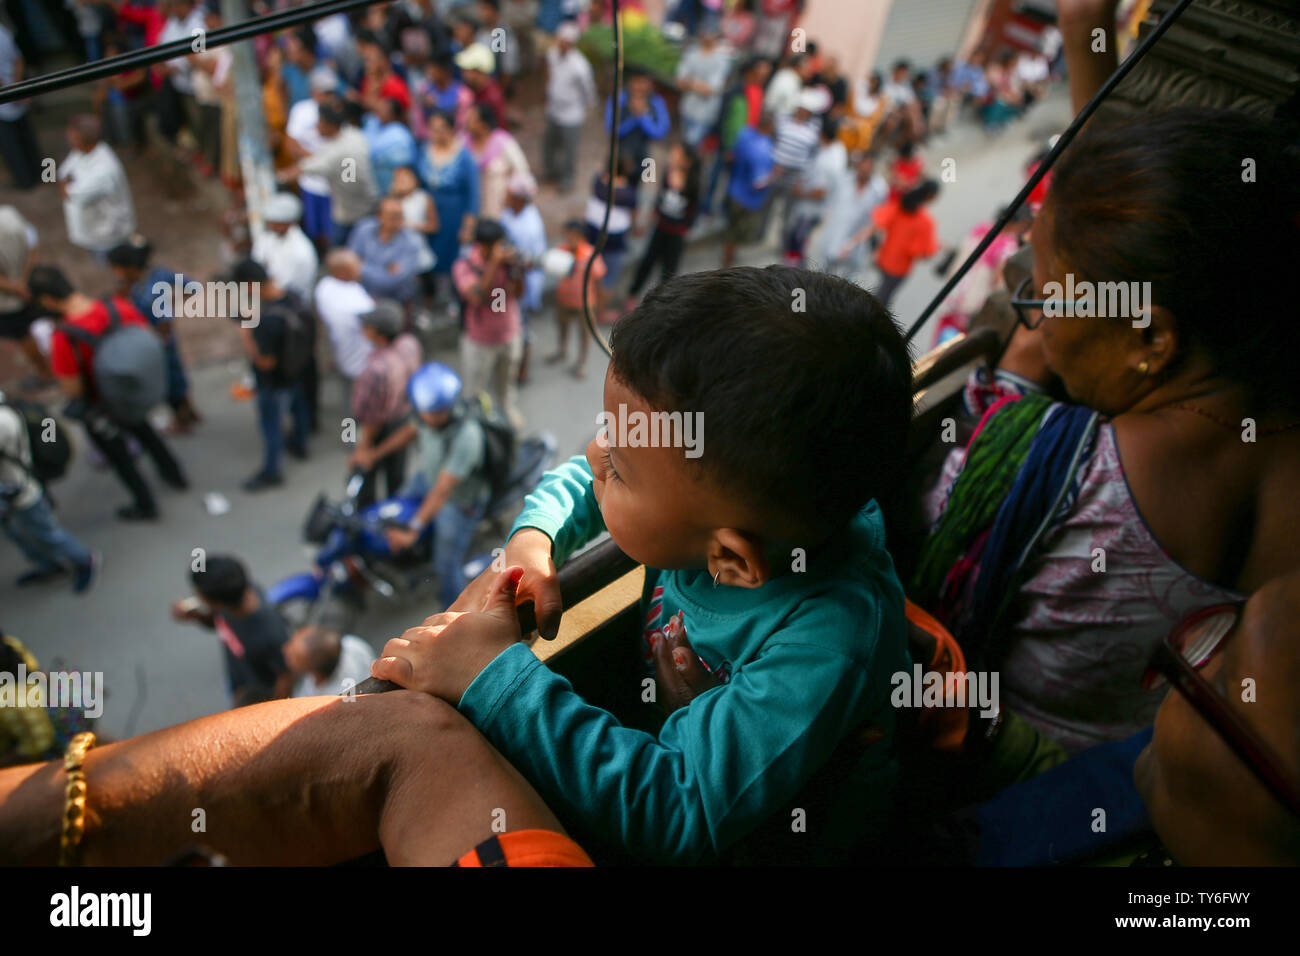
(150, 290)
(449, 171)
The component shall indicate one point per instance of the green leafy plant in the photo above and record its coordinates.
(643, 45)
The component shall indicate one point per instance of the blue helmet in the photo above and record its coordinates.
(433, 388)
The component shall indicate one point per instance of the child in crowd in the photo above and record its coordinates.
(675, 210)
(568, 295)
(906, 170)
(764, 546)
(622, 221)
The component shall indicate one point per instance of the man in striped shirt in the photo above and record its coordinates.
(796, 143)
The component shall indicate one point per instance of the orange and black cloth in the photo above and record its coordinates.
(526, 848)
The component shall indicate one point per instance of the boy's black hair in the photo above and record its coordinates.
(223, 580)
(132, 254)
(353, 113)
(331, 116)
(48, 281)
(248, 270)
(918, 196)
(488, 231)
(802, 378)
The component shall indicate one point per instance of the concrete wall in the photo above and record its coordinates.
(851, 29)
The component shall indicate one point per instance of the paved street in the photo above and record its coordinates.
(158, 672)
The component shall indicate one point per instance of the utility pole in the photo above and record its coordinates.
(254, 154)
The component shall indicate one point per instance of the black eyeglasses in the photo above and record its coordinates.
(1177, 659)
(1030, 312)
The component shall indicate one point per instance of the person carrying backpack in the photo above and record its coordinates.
(111, 366)
(462, 458)
(280, 347)
(25, 511)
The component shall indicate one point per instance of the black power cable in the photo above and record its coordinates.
(616, 119)
(136, 59)
(1045, 166)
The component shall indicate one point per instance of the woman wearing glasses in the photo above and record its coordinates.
(1068, 538)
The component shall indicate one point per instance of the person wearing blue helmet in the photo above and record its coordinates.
(450, 472)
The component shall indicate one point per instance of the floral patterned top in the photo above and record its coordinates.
(1101, 594)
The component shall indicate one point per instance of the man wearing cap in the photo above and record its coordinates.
(379, 402)
(305, 140)
(343, 160)
(527, 233)
(702, 77)
(796, 142)
(389, 252)
(477, 64)
(570, 93)
(284, 250)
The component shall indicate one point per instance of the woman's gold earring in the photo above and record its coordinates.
(1143, 367)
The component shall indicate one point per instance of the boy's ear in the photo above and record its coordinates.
(737, 558)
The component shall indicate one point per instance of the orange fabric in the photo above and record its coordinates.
(534, 848)
(568, 291)
(908, 237)
(945, 726)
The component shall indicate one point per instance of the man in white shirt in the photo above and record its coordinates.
(570, 93)
(341, 300)
(702, 76)
(344, 161)
(177, 107)
(18, 240)
(97, 205)
(283, 250)
(811, 194)
(325, 663)
(852, 200)
(302, 127)
(782, 96)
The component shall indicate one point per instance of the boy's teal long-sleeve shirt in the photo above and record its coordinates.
(810, 655)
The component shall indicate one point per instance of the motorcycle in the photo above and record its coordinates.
(354, 556)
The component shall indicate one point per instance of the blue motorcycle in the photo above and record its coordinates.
(354, 556)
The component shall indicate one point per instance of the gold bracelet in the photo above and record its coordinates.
(74, 804)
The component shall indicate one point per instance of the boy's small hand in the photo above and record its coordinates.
(530, 549)
(444, 655)
(680, 674)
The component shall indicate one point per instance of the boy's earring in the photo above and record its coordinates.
(1143, 367)
(715, 578)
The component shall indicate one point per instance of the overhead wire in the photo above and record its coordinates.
(1045, 166)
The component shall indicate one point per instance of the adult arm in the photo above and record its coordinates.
(657, 122)
(308, 781)
(1087, 70)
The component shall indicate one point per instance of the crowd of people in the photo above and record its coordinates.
(403, 189)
